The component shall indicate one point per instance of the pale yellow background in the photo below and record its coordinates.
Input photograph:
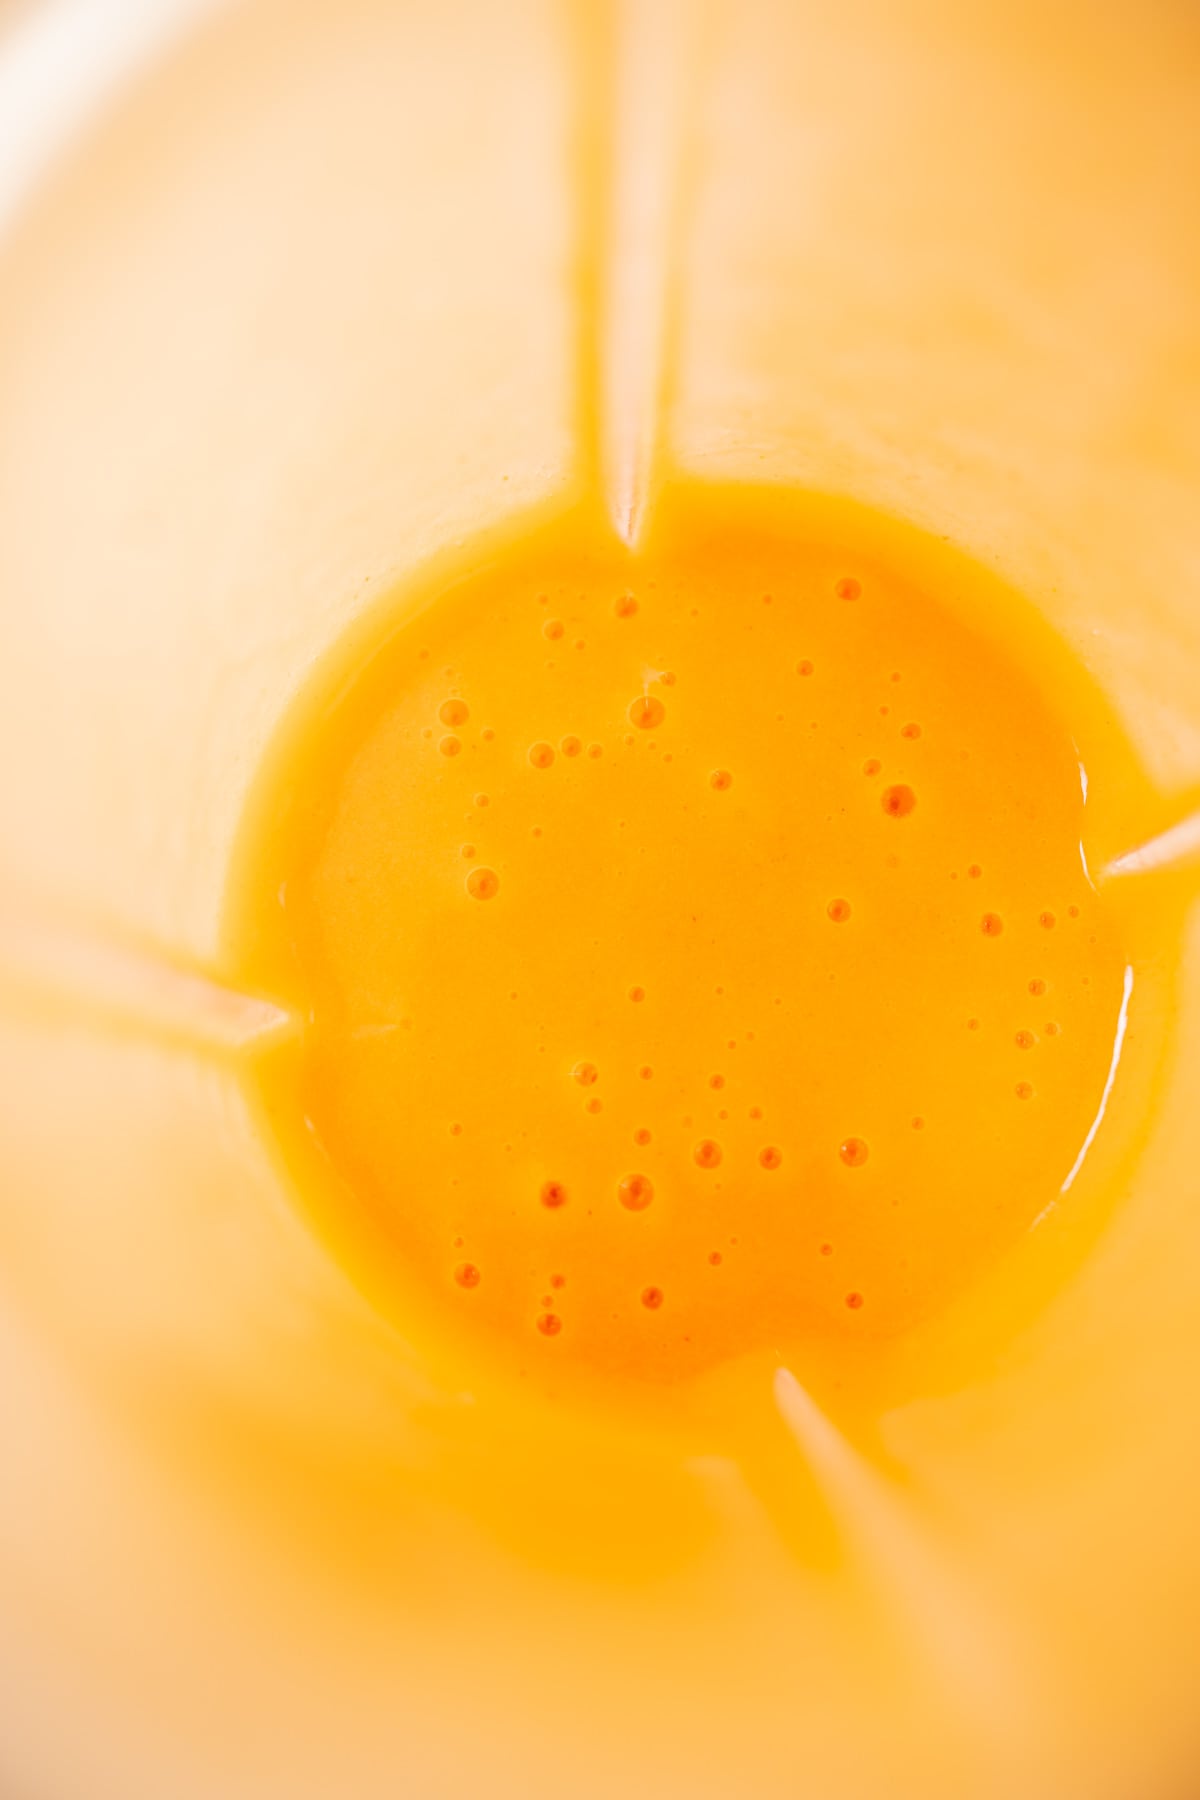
(327, 292)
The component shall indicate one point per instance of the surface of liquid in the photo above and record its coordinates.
(697, 950)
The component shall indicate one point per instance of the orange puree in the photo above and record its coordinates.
(694, 945)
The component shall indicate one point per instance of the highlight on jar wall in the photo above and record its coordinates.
(599, 846)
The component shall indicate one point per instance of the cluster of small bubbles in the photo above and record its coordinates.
(635, 1192)
(541, 755)
(1037, 985)
(898, 801)
(586, 1073)
(652, 1298)
(647, 712)
(910, 730)
(625, 607)
(770, 1157)
(1024, 1040)
(872, 766)
(571, 746)
(720, 779)
(1024, 1090)
(991, 924)
(804, 668)
(641, 1136)
(450, 745)
(553, 1195)
(838, 911)
(1047, 921)
(637, 993)
(467, 1275)
(549, 1324)
(483, 884)
(853, 1152)
(847, 588)
(553, 628)
(707, 1154)
(854, 1301)
(454, 712)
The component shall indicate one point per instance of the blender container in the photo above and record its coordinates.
(293, 295)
